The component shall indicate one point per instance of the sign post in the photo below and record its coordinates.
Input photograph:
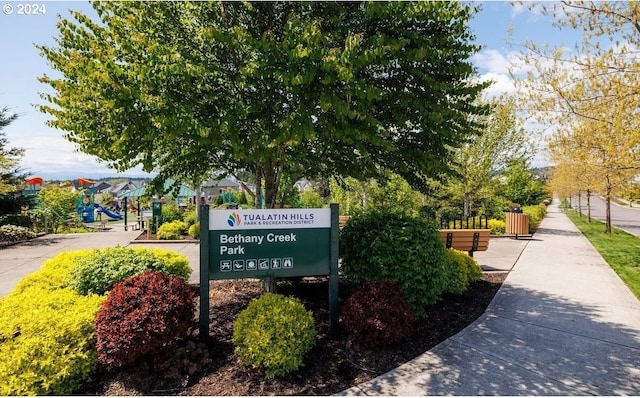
(268, 243)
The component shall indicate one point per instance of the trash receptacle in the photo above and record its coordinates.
(517, 224)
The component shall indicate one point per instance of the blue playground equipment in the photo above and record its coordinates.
(108, 212)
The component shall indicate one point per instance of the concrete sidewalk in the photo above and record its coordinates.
(20, 260)
(563, 323)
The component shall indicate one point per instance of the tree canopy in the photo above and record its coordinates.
(478, 162)
(277, 88)
(10, 177)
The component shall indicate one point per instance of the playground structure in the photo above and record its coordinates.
(32, 187)
(85, 205)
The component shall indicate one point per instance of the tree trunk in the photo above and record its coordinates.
(364, 195)
(608, 209)
(580, 203)
(271, 173)
(467, 205)
(588, 205)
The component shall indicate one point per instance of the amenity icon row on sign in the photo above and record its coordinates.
(256, 264)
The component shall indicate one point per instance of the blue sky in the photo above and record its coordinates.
(49, 155)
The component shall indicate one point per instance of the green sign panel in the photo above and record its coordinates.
(269, 253)
(268, 243)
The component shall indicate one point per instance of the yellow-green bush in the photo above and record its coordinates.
(194, 230)
(497, 227)
(55, 273)
(46, 341)
(536, 215)
(461, 271)
(101, 270)
(172, 230)
(274, 333)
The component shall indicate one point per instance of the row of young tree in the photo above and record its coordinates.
(590, 93)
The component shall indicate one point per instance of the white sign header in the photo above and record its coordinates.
(240, 219)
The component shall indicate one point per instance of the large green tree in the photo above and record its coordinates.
(278, 88)
(479, 162)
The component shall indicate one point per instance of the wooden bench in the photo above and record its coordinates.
(342, 221)
(468, 240)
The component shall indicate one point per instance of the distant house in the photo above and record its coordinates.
(118, 189)
(102, 187)
(213, 187)
(303, 184)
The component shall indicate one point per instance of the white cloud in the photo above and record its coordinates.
(494, 61)
(491, 60)
(49, 155)
(501, 84)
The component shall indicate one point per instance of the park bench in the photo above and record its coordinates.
(342, 221)
(464, 238)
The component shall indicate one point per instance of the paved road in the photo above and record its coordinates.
(623, 217)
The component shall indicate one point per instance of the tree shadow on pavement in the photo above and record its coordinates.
(528, 343)
(553, 231)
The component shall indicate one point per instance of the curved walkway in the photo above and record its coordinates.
(563, 323)
(20, 260)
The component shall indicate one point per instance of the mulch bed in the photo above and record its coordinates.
(330, 367)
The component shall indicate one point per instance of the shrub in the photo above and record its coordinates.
(274, 333)
(170, 213)
(46, 341)
(143, 314)
(172, 230)
(377, 314)
(190, 218)
(100, 271)
(14, 233)
(406, 250)
(461, 271)
(536, 215)
(497, 227)
(55, 273)
(194, 230)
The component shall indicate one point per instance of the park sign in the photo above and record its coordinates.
(268, 243)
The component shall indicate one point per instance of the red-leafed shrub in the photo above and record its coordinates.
(377, 314)
(141, 315)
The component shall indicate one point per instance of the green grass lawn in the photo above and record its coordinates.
(620, 249)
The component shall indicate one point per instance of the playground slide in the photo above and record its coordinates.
(109, 213)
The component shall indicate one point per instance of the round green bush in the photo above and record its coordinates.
(274, 333)
(100, 271)
(194, 230)
(172, 230)
(189, 217)
(461, 271)
(170, 213)
(379, 246)
(143, 314)
(376, 315)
